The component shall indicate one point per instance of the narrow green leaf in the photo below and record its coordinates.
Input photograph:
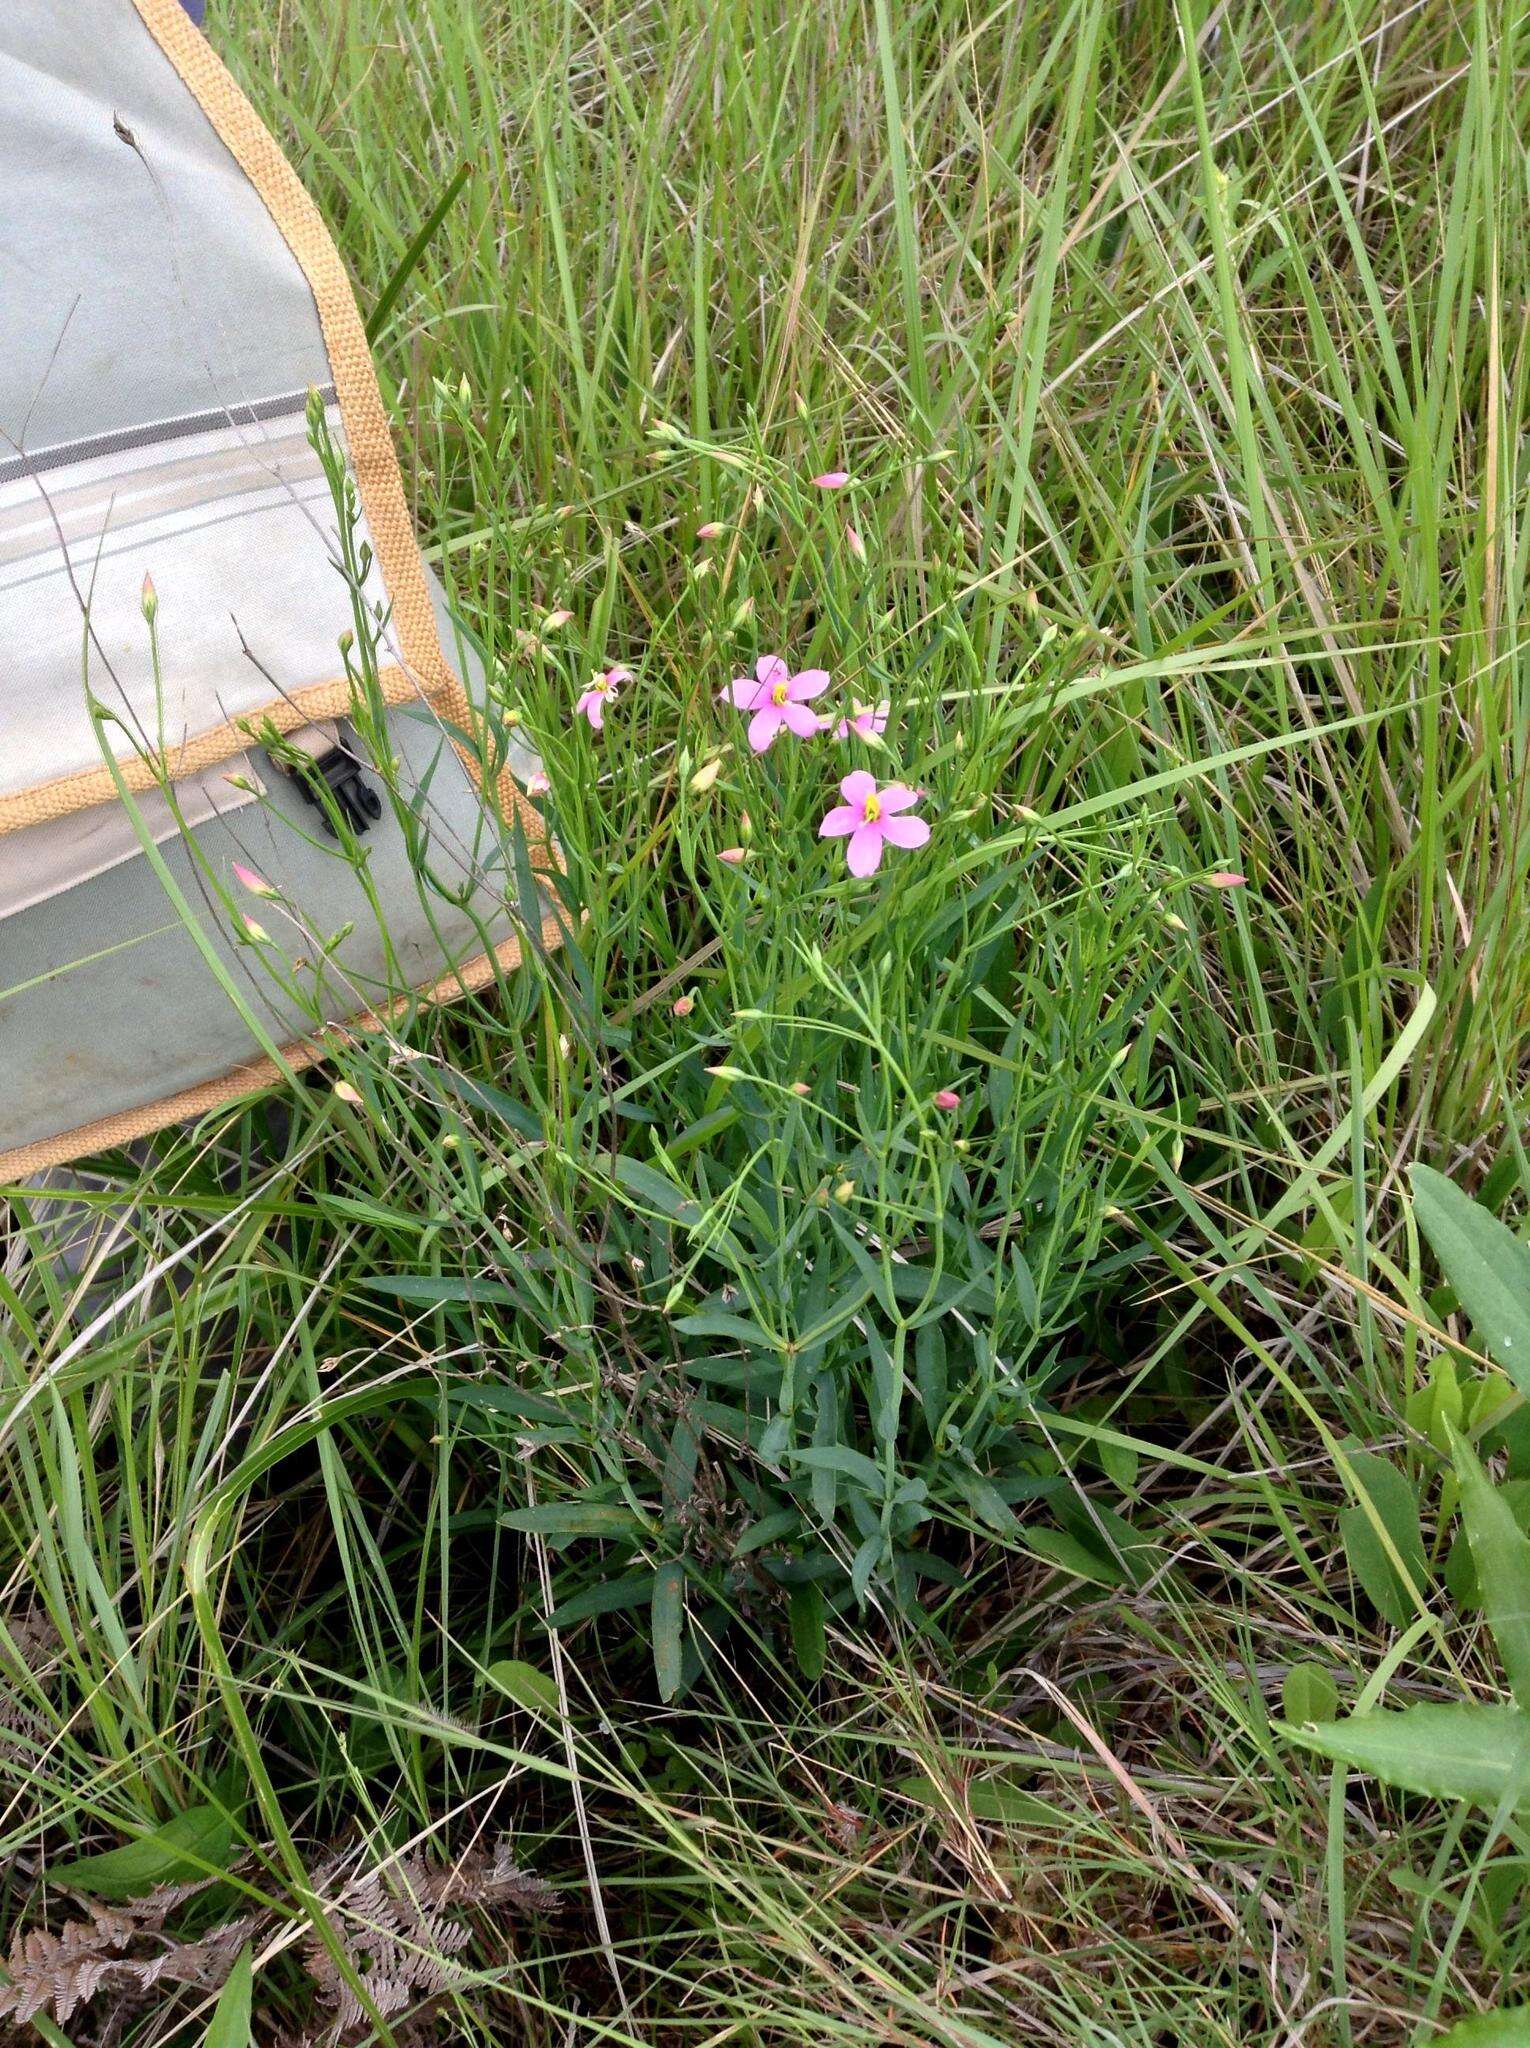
(1486, 1264)
(181, 1850)
(388, 297)
(606, 1596)
(1509, 2027)
(229, 2026)
(840, 1458)
(645, 1184)
(807, 1628)
(1462, 1751)
(527, 1686)
(1309, 1694)
(565, 1519)
(1394, 1504)
(668, 1615)
(1501, 1554)
(990, 1799)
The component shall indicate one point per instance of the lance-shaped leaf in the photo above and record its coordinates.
(1477, 1753)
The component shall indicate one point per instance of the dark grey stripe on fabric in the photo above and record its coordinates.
(245, 415)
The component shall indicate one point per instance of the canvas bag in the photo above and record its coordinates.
(170, 304)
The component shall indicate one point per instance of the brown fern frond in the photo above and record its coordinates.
(398, 1930)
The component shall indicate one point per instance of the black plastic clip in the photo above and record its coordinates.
(339, 768)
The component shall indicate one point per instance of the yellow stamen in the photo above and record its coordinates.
(873, 810)
(778, 694)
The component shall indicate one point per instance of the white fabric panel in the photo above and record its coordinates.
(41, 861)
(138, 281)
(238, 531)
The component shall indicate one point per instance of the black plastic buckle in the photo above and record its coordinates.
(340, 770)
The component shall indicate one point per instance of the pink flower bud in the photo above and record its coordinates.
(256, 884)
(946, 1098)
(832, 480)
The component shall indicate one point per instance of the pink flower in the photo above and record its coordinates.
(855, 544)
(537, 783)
(869, 816)
(867, 721)
(1227, 878)
(778, 698)
(832, 480)
(945, 1098)
(591, 703)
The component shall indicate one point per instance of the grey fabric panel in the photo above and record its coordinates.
(100, 1035)
(133, 287)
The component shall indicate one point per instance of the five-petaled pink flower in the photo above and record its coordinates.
(869, 816)
(867, 721)
(777, 698)
(591, 702)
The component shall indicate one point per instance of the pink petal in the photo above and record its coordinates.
(798, 719)
(618, 675)
(864, 854)
(764, 726)
(904, 831)
(812, 682)
(771, 669)
(843, 729)
(842, 819)
(1227, 878)
(595, 710)
(748, 694)
(832, 479)
(896, 797)
(859, 784)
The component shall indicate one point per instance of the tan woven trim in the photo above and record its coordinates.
(375, 466)
(369, 443)
(49, 800)
(369, 440)
(255, 1076)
